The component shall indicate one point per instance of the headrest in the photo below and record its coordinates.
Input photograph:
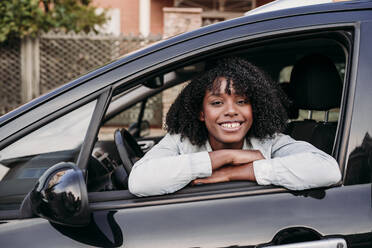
(315, 83)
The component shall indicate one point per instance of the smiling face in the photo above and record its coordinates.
(228, 117)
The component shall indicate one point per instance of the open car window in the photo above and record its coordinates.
(275, 57)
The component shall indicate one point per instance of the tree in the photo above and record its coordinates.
(20, 18)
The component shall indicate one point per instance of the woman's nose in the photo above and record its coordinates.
(230, 110)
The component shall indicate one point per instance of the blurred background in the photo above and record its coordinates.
(47, 43)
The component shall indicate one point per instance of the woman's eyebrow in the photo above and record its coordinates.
(215, 94)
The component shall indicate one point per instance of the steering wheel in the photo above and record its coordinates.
(128, 148)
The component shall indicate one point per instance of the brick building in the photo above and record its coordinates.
(146, 16)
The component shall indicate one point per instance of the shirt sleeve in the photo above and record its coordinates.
(296, 165)
(164, 170)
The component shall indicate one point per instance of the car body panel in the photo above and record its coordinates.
(236, 221)
(227, 221)
(17, 233)
(361, 122)
(250, 220)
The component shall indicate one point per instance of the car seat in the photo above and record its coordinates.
(315, 84)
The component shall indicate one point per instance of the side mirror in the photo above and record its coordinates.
(61, 196)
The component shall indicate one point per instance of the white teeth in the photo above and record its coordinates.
(230, 125)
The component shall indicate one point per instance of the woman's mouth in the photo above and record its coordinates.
(231, 126)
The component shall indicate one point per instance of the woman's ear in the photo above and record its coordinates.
(201, 116)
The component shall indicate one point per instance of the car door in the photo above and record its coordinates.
(244, 220)
(246, 215)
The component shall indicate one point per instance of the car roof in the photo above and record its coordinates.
(284, 4)
(305, 10)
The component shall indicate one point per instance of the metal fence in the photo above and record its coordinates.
(66, 56)
(32, 67)
(10, 76)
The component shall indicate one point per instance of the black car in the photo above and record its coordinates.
(64, 183)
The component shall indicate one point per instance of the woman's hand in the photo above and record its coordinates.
(245, 156)
(218, 176)
(233, 157)
(229, 173)
(231, 165)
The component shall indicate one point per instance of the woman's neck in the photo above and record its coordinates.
(219, 146)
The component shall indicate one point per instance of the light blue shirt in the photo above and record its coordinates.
(173, 163)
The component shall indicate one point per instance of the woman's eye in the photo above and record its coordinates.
(216, 103)
(241, 102)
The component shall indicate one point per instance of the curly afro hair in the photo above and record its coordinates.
(267, 99)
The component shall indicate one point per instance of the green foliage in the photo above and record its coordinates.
(20, 18)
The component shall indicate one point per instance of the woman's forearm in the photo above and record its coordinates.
(234, 157)
(163, 175)
(243, 172)
(220, 158)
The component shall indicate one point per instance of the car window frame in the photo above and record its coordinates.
(103, 101)
(123, 199)
(347, 102)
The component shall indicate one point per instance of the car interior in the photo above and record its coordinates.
(311, 68)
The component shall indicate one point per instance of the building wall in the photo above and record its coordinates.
(180, 20)
(156, 23)
(129, 13)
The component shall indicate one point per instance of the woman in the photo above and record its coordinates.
(226, 125)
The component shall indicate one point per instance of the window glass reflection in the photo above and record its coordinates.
(24, 161)
(65, 133)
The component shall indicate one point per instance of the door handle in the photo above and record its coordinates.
(324, 243)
